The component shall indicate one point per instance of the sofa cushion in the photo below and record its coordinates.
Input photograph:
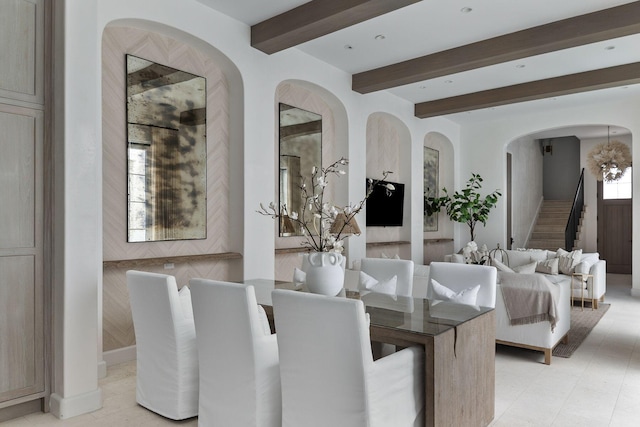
(501, 266)
(521, 257)
(526, 268)
(548, 266)
(567, 261)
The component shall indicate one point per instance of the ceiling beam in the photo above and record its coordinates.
(604, 78)
(577, 31)
(315, 19)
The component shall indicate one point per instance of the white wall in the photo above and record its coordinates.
(526, 189)
(78, 287)
(487, 142)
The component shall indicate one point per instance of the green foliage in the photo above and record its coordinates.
(465, 206)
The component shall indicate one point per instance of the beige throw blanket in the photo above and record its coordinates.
(529, 298)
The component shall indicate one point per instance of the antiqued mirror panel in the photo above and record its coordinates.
(300, 151)
(167, 153)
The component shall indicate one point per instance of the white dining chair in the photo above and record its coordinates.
(167, 359)
(328, 375)
(458, 277)
(239, 371)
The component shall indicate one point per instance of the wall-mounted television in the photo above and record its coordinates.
(385, 209)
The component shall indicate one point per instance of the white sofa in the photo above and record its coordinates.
(539, 336)
(589, 263)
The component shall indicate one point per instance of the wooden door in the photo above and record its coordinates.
(614, 233)
(22, 118)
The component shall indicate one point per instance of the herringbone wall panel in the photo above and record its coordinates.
(300, 97)
(118, 41)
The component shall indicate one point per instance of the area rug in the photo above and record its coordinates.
(582, 322)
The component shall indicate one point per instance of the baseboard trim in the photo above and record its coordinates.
(119, 355)
(68, 407)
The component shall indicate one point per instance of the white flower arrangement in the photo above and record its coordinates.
(321, 230)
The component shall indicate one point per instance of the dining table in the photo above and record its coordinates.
(458, 341)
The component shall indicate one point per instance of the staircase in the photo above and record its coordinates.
(548, 232)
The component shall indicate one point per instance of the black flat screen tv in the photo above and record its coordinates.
(385, 209)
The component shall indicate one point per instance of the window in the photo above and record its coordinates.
(620, 189)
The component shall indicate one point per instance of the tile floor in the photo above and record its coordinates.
(598, 386)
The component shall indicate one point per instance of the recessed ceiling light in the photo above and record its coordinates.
(348, 46)
(448, 81)
(609, 48)
(466, 10)
(422, 86)
(520, 66)
(380, 37)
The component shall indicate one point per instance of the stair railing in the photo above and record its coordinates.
(573, 222)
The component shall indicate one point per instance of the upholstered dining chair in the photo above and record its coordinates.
(383, 269)
(459, 277)
(328, 375)
(167, 359)
(239, 371)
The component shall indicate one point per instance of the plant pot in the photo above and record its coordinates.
(325, 275)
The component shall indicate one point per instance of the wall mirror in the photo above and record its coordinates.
(167, 153)
(300, 151)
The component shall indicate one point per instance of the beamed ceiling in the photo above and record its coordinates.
(450, 57)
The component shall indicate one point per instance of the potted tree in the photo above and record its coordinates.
(465, 206)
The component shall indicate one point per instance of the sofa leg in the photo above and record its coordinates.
(547, 356)
(565, 339)
(594, 303)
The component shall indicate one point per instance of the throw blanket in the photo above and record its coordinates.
(529, 298)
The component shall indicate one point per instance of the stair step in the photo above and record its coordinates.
(550, 228)
(541, 235)
(552, 221)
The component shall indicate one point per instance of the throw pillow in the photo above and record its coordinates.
(385, 256)
(299, 277)
(457, 258)
(549, 266)
(526, 269)
(264, 320)
(368, 283)
(568, 260)
(442, 293)
(185, 302)
(583, 267)
(501, 266)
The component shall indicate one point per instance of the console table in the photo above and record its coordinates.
(459, 344)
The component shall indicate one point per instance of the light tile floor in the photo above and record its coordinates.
(598, 386)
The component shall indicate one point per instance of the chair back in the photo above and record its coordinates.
(167, 360)
(239, 373)
(325, 354)
(386, 268)
(458, 277)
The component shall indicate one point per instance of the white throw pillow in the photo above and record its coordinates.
(568, 260)
(583, 267)
(457, 258)
(185, 302)
(442, 293)
(371, 284)
(299, 277)
(501, 266)
(526, 268)
(264, 320)
(385, 256)
(549, 266)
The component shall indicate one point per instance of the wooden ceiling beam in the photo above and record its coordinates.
(315, 19)
(604, 78)
(593, 27)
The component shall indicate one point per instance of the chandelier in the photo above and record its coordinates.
(608, 161)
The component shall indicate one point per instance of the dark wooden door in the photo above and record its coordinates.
(614, 233)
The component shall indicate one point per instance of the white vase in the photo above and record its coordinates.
(325, 274)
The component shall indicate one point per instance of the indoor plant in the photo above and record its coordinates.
(465, 206)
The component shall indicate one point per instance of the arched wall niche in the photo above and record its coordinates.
(527, 177)
(439, 242)
(310, 97)
(169, 46)
(388, 146)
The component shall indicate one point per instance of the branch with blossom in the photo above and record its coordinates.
(317, 216)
